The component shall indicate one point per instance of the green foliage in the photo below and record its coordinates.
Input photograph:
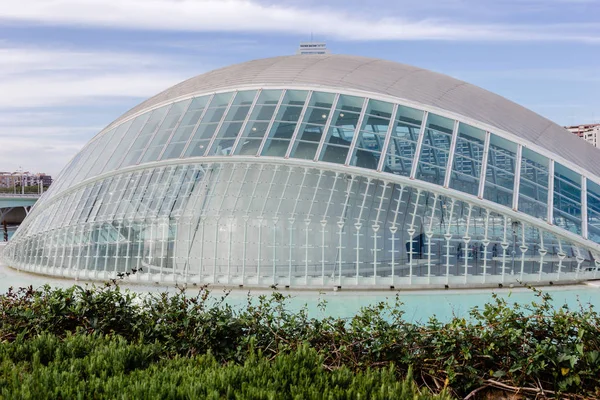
(95, 366)
(536, 349)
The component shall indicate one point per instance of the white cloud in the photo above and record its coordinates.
(250, 16)
(40, 77)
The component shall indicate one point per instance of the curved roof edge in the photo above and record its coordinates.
(391, 79)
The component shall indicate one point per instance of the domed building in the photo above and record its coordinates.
(322, 171)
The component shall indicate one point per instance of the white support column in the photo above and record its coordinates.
(429, 235)
(270, 126)
(448, 238)
(517, 183)
(324, 225)
(245, 123)
(484, 162)
(467, 240)
(233, 212)
(376, 228)
(451, 155)
(551, 192)
(504, 246)
(358, 225)
(523, 247)
(413, 171)
(341, 223)
(542, 251)
(325, 133)
(388, 138)
(411, 232)
(292, 221)
(307, 222)
(298, 125)
(275, 221)
(486, 243)
(357, 131)
(561, 256)
(584, 208)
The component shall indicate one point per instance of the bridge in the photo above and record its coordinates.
(18, 205)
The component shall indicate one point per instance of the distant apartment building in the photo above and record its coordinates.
(311, 48)
(590, 132)
(14, 179)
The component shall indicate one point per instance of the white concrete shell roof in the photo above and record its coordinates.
(389, 78)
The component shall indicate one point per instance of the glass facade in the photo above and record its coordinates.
(154, 193)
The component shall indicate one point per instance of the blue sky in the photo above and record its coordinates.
(70, 67)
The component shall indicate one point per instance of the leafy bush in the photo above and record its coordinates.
(536, 349)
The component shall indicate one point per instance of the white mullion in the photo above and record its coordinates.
(189, 141)
(467, 240)
(341, 224)
(324, 224)
(484, 162)
(523, 247)
(358, 226)
(246, 217)
(393, 230)
(517, 183)
(218, 218)
(214, 136)
(451, 155)
(413, 170)
(299, 124)
(357, 131)
(388, 138)
(551, 192)
(584, 206)
(486, 243)
(307, 222)
(292, 220)
(411, 232)
(271, 123)
(175, 129)
(376, 227)
(448, 237)
(245, 123)
(261, 218)
(153, 135)
(429, 235)
(326, 127)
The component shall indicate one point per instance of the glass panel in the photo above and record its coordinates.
(311, 130)
(234, 120)
(593, 200)
(110, 148)
(283, 127)
(185, 129)
(95, 152)
(372, 135)
(144, 137)
(533, 187)
(567, 199)
(342, 129)
(468, 156)
(208, 125)
(500, 172)
(164, 133)
(128, 138)
(403, 143)
(435, 149)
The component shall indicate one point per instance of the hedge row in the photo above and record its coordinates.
(538, 349)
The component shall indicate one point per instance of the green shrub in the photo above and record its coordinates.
(535, 349)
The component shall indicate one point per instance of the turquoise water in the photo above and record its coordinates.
(417, 305)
